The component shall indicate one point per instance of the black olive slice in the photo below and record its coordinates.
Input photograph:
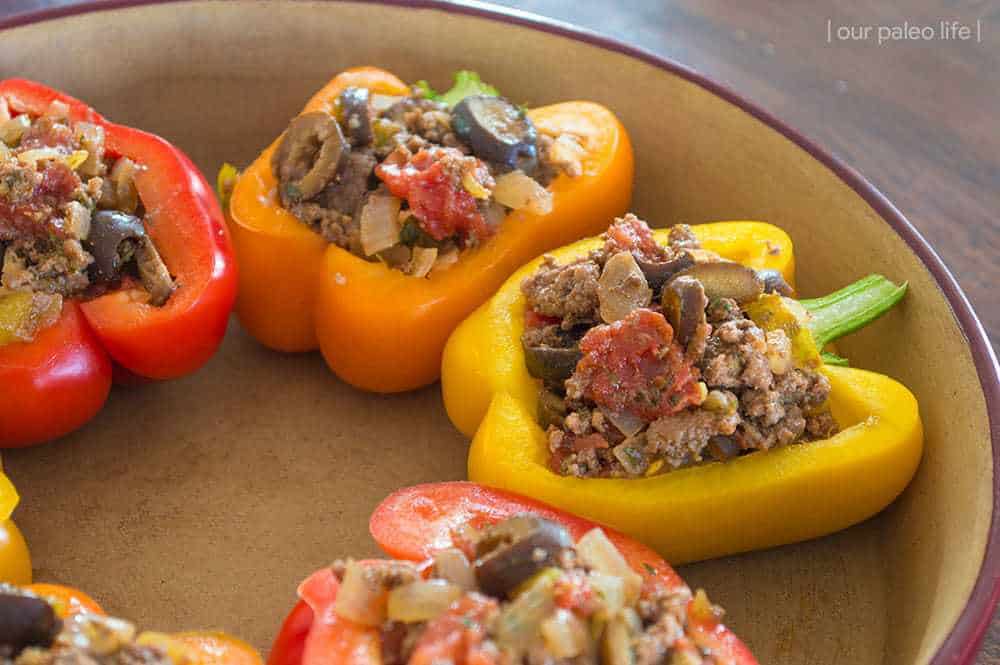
(726, 279)
(684, 304)
(308, 156)
(550, 363)
(658, 272)
(26, 622)
(355, 103)
(510, 552)
(497, 131)
(113, 239)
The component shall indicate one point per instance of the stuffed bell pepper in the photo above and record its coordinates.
(114, 256)
(49, 624)
(386, 213)
(665, 383)
(483, 577)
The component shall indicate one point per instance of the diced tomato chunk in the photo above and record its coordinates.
(457, 635)
(631, 234)
(533, 319)
(431, 182)
(633, 365)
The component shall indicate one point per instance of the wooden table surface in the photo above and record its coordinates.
(920, 117)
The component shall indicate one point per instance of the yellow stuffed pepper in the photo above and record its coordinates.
(385, 215)
(666, 384)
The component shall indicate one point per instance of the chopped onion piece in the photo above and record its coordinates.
(618, 643)
(611, 591)
(446, 259)
(518, 191)
(627, 423)
(421, 600)
(383, 102)
(622, 288)
(598, 553)
(379, 223)
(361, 597)
(12, 130)
(519, 623)
(451, 565)
(124, 192)
(565, 635)
(423, 261)
(39, 155)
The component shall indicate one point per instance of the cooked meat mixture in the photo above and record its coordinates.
(643, 372)
(411, 181)
(522, 593)
(34, 632)
(70, 219)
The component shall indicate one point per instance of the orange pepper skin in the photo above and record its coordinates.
(377, 328)
(69, 601)
(210, 647)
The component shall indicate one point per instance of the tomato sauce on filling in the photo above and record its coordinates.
(634, 365)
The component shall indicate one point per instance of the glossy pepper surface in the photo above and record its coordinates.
(377, 328)
(15, 561)
(760, 500)
(57, 382)
(414, 522)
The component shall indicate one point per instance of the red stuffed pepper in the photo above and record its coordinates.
(114, 258)
(484, 577)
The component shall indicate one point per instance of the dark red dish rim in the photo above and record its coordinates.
(961, 644)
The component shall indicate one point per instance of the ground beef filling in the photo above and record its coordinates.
(70, 219)
(483, 602)
(626, 395)
(391, 179)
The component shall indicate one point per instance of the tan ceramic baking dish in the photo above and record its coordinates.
(202, 502)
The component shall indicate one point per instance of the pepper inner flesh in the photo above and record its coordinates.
(713, 364)
(521, 591)
(414, 180)
(70, 221)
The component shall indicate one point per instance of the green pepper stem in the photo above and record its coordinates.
(851, 308)
(833, 359)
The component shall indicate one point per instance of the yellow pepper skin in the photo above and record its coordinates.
(483, 356)
(15, 561)
(751, 502)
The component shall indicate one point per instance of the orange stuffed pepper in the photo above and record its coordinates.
(52, 623)
(385, 214)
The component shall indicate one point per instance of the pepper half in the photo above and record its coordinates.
(377, 328)
(414, 522)
(57, 382)
(201, 647)
(759, 500)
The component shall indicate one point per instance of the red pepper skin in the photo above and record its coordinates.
(145, 342)
(414, 522)
(53, 385)
(290, 644)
